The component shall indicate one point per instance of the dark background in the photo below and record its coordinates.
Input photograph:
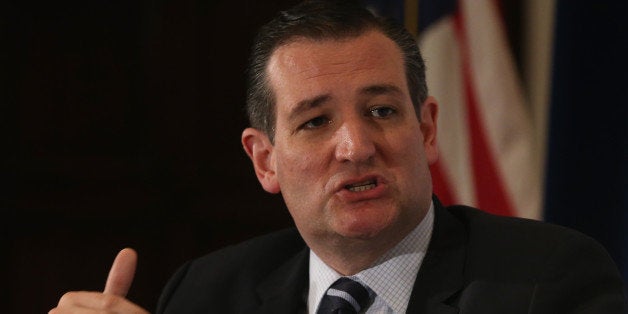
(120, 126)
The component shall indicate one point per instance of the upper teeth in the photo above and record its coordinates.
(361, 186)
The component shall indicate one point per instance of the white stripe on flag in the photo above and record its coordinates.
(500, 105)
(441, 53)
(500, 102)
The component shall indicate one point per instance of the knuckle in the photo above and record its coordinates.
(109, 301)
(66, 298)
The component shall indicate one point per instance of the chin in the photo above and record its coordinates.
(363, 229)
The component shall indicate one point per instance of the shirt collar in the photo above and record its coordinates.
(391, 277)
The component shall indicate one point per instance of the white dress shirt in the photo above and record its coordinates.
(391, 277)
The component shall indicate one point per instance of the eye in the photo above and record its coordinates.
(316, 123)
(382, 112)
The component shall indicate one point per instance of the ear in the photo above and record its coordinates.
(429, 115)
(259, 148)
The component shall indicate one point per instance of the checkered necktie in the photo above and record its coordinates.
(345, 296)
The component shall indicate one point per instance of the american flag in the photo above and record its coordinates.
(488, 154)
(557, 151)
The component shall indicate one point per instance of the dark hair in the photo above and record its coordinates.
(323, 20)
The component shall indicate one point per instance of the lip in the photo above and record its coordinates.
(350, 196)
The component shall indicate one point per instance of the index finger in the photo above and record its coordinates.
(121, 273)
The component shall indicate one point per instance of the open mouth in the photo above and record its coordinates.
(361, 186)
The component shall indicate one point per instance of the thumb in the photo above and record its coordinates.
(121, 273)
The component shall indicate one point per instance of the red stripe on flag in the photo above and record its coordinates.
(489, 188)
(441, 185)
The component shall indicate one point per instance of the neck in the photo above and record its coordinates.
(349, 256)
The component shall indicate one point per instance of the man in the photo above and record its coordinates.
(343, 128)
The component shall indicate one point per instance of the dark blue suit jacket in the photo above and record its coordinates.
(476, 263)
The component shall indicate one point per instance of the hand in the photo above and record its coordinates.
(112, 299)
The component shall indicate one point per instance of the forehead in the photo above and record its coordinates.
(313, 66)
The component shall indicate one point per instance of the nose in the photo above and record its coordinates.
(354, 142)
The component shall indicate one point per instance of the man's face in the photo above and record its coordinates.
(349, 155)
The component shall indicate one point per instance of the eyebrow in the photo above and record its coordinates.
(371, 90)
(307, 104)
(381, 89)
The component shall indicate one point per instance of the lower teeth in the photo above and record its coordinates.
(362, 188)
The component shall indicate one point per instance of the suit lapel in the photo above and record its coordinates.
(284, 290)
(441, 275)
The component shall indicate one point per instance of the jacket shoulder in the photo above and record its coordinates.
(254, 254)
(482, 224)
(562, 270)
(224, 278)
(519, 240)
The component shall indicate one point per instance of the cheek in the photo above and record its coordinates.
(294, 165)
(298, 162)
(412, 159)
(301, 191)
(298, 175)
(408, 145)
(302, 175)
